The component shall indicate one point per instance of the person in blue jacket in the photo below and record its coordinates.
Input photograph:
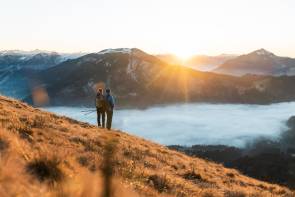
(110, 108)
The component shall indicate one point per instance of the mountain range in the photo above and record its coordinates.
(137, 79)
(16, 68)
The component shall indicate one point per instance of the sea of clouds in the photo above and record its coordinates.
(198, 123)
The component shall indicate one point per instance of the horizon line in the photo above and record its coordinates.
(155, 54)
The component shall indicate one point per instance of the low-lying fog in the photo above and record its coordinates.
(189, 124)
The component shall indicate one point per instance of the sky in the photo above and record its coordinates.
(181, 27)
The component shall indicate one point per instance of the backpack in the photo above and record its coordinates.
(100, 101)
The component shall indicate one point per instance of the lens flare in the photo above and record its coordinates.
(40, 96)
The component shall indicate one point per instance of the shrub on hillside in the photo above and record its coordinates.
(38, 122)
(160, 183)
(192, 175)
(45, 169)
(235, 194)
(3, 144)
(26, 132)
(210, 193)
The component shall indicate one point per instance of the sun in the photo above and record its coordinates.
(184, 55)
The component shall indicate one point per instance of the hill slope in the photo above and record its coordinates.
(44, 154)
(260, 62)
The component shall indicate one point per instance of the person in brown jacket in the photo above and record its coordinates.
(100, 103)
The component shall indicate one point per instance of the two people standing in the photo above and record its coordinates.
(105, 104)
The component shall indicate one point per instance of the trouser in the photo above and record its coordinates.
(100, 113)
(109, 119)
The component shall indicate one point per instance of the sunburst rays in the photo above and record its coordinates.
(172, 80)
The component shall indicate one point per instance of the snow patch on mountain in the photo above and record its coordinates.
(263, 52)
(131, 67)
(119, 50)
(108, 64)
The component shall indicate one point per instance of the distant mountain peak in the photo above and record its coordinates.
(263, 52)
(121, 50)
(116, 50)
(259, 62)
(22, 52)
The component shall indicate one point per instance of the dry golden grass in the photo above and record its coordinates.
(42, 154)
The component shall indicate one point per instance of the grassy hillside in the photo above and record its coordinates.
(42, 154)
